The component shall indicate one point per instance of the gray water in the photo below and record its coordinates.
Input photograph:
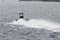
(37, 10)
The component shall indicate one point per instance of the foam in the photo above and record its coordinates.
(36, 23)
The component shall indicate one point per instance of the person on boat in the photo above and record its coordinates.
(21, 15)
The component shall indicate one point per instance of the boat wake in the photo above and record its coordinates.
(35, 23)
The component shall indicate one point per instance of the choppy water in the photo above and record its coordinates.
(38, 10)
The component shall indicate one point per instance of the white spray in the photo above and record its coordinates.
(37, 23)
